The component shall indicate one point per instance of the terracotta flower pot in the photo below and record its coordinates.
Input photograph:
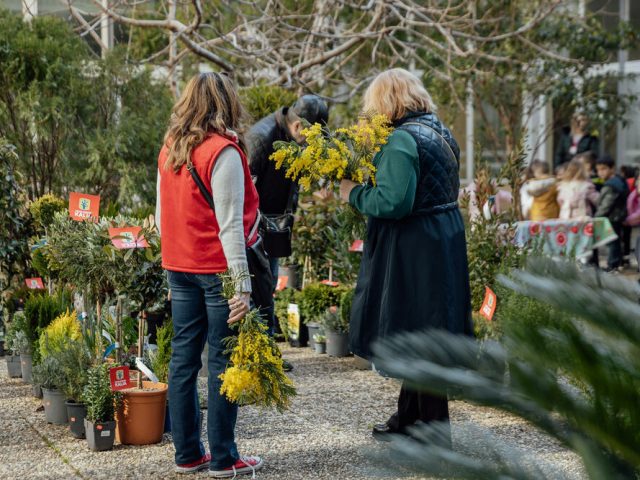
(140, 417)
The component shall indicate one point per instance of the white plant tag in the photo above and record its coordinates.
(146, 370)
(105, 433)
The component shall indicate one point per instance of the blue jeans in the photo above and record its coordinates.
(200, 314)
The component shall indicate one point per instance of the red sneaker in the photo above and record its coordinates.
(244, 465)
(196, 466)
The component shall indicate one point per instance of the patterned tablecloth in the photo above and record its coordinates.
(565, 237)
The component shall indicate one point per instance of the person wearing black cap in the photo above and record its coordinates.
(278, 194)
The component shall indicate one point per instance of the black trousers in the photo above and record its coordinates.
(416, 406)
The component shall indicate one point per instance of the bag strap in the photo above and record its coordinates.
(209, 198)
(292, 191)
(436, 132)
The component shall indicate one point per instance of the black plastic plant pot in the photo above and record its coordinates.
(100, 436)
(76, 413)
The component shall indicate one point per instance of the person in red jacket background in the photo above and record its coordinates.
(197, 245)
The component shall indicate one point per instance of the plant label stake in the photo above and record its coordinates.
(83, 206)
(143, 316)
(282, 282)
(120, 378)
(489, 305)
(127, 237)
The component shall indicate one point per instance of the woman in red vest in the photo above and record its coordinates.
(198, 244)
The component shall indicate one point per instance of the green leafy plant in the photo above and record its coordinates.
(57, 336)
(49, 373)
(319, 338)
(263, 100)
(75, 361)
(21, 344)
(100, 400)
(40, 310)
(333, 321)
(160, 358)
(595, 343)
(17, 324)
(316, 298)
(43, 210)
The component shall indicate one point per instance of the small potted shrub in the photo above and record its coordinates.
(13, 359)
(314, 301)
(337, 333)
(75, 361)
(49, 374)
(101, 401)
(320, 343)
(23, 345)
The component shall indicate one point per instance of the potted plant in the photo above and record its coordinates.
(13, 359)
(49, 374)
(314, 301)
(23, 345)
(337, 333)
(75, 361)
(101, 401)
(320, 343)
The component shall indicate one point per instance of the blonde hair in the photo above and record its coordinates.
(396, 92)
(574, 171)
(209, 104)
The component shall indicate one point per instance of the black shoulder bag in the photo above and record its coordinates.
(257, 258)
(278, 229)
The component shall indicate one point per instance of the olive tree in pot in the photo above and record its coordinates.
(49, 374)
(101, 402)
(76, 362)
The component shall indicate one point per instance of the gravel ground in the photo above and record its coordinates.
(326, 435)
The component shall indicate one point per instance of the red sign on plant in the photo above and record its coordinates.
(282, 282)
(127, 237)
(489, 305)
(120, 379)
(330, 283)
(34, 283)
(83, 206)
(357, 246)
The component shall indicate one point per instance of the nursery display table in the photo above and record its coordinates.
(566, 237)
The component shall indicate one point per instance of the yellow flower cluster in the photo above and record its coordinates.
(255, 375)
(332, 156)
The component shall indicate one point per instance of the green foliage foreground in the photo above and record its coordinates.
(530, 374)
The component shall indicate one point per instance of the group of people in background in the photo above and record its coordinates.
(586, 186)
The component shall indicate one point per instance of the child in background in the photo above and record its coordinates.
(542, 187)
(613, 205)
(526, 200)
(589, 159)
(629, 174)
(577, 196)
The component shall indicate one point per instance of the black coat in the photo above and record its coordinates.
(272, 185)
(586, 143)
(414, 273)
(613, 200)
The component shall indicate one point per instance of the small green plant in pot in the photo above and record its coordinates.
(320, 343)
(101, 402)
(22, 344)
(75, 361)
(13, 359)
(337, 333)
(50, 376)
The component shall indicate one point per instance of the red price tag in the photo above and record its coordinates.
(83, 206)
(357, 246)
(120, 379)
(34, 283)
(127, 237)
(330, 283)
(282, 282)
(489, 305)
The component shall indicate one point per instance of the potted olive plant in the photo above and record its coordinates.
(49, 374)
(101, 402)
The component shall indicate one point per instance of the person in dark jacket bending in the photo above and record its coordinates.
(414, 274)
(613, 205)
(277, 193)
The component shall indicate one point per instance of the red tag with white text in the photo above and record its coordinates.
(127, 237)
(83, 206)
(282, 282)
(489, 304)
(357, 246)
(120, 379)
(330, 283)
(34, 283)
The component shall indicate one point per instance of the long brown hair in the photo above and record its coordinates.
(209, 104)
(575, 171)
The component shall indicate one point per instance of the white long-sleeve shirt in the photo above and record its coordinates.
(227, 189)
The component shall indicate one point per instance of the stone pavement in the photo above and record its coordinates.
(326, 435)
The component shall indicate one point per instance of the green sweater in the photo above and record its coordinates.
(396, 180)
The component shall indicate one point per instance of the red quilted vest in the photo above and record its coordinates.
(189, 229)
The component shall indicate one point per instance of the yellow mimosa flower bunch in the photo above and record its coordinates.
(334, 155)
(255, 375)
